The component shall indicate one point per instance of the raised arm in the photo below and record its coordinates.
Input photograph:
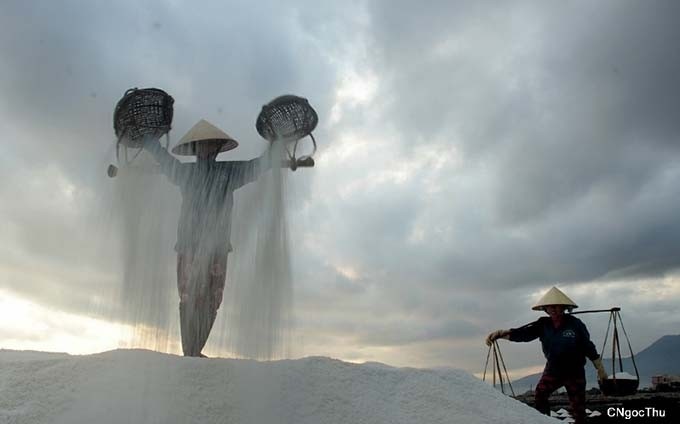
(176, 171)
(526, 333)
(241, 173)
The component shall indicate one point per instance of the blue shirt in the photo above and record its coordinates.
(565, 347)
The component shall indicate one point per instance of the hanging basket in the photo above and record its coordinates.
(142, 113)
(619, 386)
(288, 118)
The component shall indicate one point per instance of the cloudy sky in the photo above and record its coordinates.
(472, 155)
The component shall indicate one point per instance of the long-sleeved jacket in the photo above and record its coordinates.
(207, 196)
(565, 347)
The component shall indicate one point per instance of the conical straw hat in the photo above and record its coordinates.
(203, 132)
(554, 297)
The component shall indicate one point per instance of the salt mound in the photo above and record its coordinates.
(135, 386)
(623, 376)
(562, 412)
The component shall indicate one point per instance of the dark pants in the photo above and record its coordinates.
(200, 282)
(574, 382)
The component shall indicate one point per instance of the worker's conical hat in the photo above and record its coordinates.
(203, 132)
(554, 296)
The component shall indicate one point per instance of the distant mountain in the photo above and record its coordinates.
(658, 358)
(662, 356)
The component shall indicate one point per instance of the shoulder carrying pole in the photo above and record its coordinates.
(614, 309)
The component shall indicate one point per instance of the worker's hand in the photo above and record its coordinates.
(601, 373)
(498, 334)
(306, 162)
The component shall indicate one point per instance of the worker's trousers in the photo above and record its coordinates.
(575, 384)
(200, 282)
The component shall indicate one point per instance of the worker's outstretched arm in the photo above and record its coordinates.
(241, 173)
(176, 171)
(526, 333)
(495, 335)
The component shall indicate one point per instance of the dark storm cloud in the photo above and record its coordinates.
(404, 332)
(608, 90)
(66, 64)
(576, 119)
(567, 130)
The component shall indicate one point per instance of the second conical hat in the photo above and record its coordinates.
(554, 296)
(203, 132)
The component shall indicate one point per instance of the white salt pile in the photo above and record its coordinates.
(623, 376)
(564, 416)
(136, 386)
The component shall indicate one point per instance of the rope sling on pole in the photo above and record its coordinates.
(497, 362)
(618, 386)
(498, 367)
(632, 356)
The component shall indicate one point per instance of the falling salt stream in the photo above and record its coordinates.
(254, 320)
(145, 214)
(259, 299)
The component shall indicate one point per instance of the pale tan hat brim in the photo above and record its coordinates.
(203, 132)
(554, 296)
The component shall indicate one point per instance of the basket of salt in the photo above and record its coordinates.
(620, 384)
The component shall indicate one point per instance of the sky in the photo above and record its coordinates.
(471, 156)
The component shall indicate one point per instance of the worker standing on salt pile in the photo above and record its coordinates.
(204, 226)
(566, 345)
